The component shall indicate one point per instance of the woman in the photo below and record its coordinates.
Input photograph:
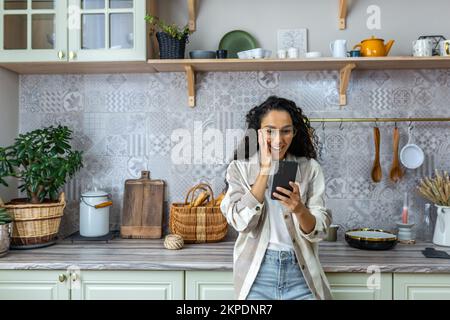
(276, 252)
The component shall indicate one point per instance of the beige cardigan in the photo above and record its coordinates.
(248, 216)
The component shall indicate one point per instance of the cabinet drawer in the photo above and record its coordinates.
(125, 285)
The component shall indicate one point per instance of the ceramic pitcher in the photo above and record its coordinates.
(339, 48)
(442, 229)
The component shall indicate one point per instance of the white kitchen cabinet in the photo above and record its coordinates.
(417, 286)
(128, 285)
(72, 30)
(209, 285)
(34, 285)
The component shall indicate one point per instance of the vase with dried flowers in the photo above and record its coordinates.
(437, 190)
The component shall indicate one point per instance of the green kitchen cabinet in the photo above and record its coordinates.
(91, 285)
(218, 285)
(128, 285)
(421, 286)
(209, 285)
(360, 286)
(32, 30)
(72, 30)
(34, 285)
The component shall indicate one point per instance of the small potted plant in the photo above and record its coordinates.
(172, 39)
(43, 161)
(5, 231)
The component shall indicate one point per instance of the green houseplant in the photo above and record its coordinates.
(42, 160)
(172, 38)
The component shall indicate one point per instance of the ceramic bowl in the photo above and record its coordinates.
(371, 239)
(202, 54)
(313, 54)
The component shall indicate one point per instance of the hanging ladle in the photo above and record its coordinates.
(376, 169)
(396, 171)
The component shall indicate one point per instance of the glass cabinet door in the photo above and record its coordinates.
(106, 30)
(33, 30)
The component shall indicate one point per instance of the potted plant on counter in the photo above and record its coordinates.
(43, 161)
(172, 39)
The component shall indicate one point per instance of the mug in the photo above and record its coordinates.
(423, 48)
(293, 53)
(339, 48)
(332, 232)
(444, 48)
(222, 54)
(282, 54)
(354, 53)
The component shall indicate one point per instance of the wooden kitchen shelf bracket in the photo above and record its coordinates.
(192, 15)
(344, 76)
(190, 77)
(342, 14)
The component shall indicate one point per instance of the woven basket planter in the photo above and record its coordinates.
(35, 224)
(169, 47)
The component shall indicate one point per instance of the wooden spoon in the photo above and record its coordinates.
(396, 172)
(376, 169)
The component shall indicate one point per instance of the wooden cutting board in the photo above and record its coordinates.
(142, 214)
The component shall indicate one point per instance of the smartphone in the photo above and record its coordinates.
(287, 171)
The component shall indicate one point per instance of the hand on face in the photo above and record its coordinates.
(265, 154)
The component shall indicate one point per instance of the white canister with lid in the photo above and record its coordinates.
(94, 213)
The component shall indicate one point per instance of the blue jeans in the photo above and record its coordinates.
(280, 278)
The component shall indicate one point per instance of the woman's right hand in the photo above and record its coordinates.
(265, 155)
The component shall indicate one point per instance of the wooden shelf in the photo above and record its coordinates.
(191, 66)
(235, 65)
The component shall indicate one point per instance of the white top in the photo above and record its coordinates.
(279, 235)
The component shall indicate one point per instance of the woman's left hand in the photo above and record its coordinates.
(290, 199)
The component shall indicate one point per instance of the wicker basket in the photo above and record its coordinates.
(204, 223)
(35, 223)
(169, 47)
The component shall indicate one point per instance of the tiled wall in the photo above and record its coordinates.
(123, 123)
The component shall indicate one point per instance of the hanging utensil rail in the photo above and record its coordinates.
(379, 119)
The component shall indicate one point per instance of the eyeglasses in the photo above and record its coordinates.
(285, 132)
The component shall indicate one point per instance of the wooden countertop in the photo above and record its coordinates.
(130, 254)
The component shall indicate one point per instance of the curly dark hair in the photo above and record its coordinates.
(304, 142)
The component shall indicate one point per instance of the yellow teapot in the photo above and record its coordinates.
(374, 47)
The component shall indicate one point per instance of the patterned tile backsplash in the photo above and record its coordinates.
(124, 124)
